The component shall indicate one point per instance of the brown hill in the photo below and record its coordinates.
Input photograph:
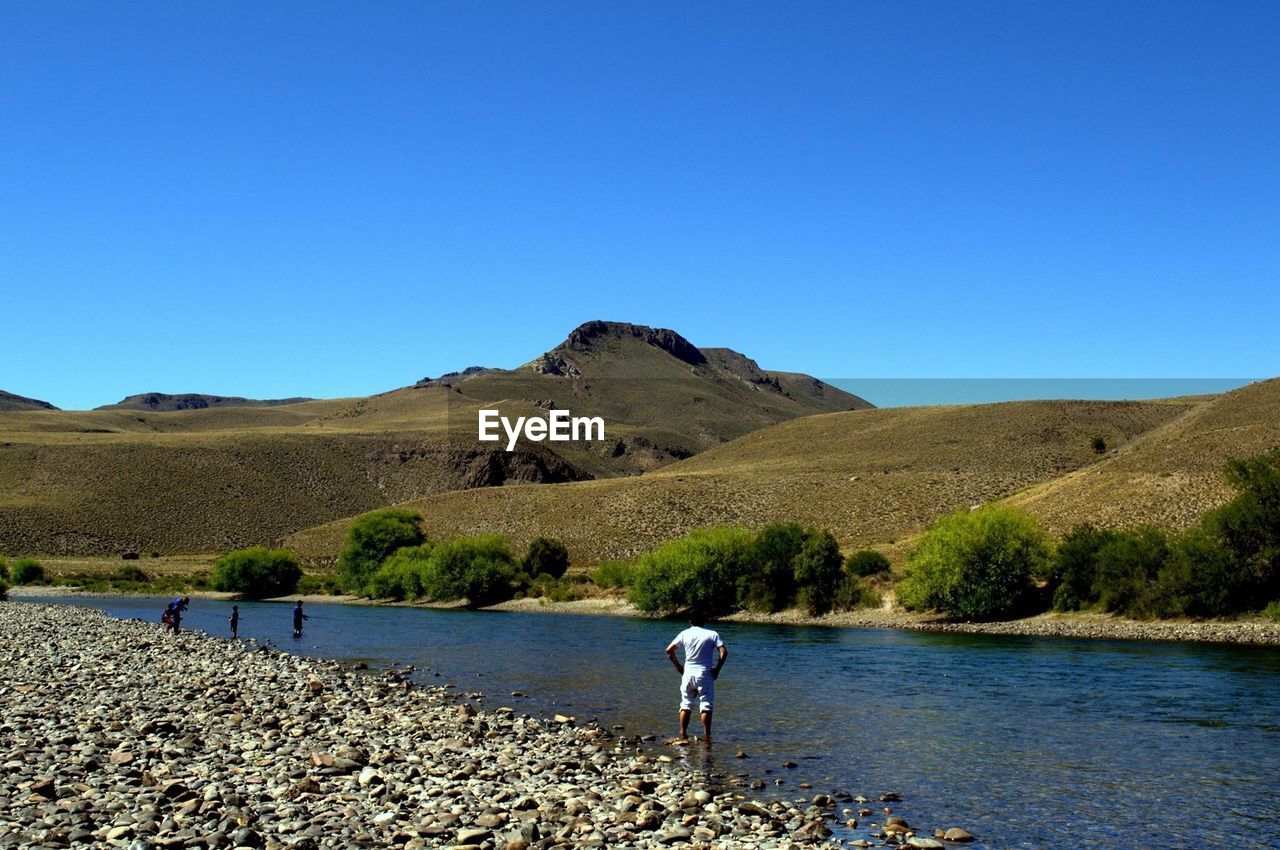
(871, 476)
(9, 401)
(158, 402)
(1170, 476)
(224, 475)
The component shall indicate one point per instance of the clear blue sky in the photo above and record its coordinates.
(275, 199)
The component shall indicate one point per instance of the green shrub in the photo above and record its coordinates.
(1198, 579)
(1099, 445)
(867, 562)
(130, 575)
(478, 569)
(546, 555)
(320, 584)
(1272, 611)
(1127, 568)
(371, 539)
(699, 572)
(1249, 528)
(976, 564)
(614, 574)
(770, 584)
(1075, 567)
(553, 589)
(26, 571)
(256, 572)
(856, 592)
(402, 576)
(819, 569)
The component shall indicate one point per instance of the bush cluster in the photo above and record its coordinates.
(614, 574)
(717, 571)
(371, 539)
(546, 556)
(480, 570)
(26, 571)
(985, 564)
(321, 584)
(1228, 563)
(976, 565)
(256, 573)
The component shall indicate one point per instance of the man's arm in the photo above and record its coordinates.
(675, 662)
(724, 653)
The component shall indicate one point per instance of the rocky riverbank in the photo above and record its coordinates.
(115, 735)
(1073, 625)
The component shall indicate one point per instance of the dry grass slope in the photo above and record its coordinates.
(227, 475)
(871, 476)
(1170, 476)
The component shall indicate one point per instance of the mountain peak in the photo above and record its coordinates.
(586, 337)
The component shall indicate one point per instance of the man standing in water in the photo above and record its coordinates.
(298, 617)
(234, 619)
(704, 655)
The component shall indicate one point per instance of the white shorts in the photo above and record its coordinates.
(699, 688)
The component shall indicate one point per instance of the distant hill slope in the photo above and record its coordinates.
(193, 401)
(1171, 475)
(870, 476)
(217, 474)
(9, 401)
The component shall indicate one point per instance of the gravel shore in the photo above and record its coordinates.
(1075, 625)
(117, 736)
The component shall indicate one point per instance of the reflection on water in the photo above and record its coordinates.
(1026, 742)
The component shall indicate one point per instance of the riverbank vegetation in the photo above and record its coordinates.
(994, 562)
(997, 562)
(718, 571)
(256, 573)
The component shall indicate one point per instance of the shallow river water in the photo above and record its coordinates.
(1025, 742)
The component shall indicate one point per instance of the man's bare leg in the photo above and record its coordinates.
(684, 723)
(706, 726)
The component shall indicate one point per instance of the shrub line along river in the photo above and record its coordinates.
(1025, 742)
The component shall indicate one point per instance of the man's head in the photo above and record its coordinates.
(697, 618)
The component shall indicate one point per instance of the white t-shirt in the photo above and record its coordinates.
(699, 646)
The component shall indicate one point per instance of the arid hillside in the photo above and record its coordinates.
(1170, 476)
(200, 473)
(10, 401)
(871, 476)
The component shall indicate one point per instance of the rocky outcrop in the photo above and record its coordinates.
(585, 337)
(11, 401)
(166, 402)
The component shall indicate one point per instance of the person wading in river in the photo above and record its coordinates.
(704, 655)
(298, 617)
(234, 619)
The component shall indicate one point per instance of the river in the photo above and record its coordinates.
(1025, 742)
